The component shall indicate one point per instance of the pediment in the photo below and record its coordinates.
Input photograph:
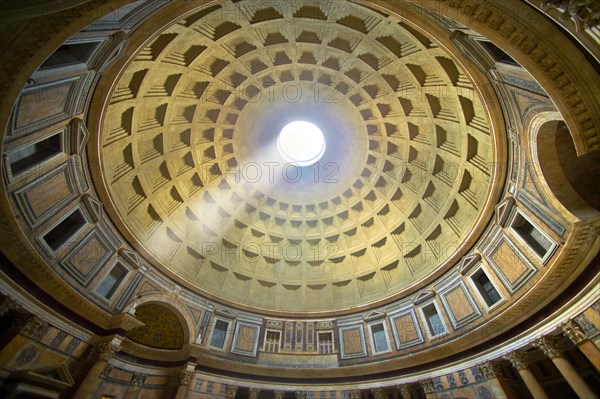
(226, 313)
(423, 296)
(468, 262)
(374, 315)
(503, 210)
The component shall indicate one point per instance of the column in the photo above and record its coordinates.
(278, 394)
(104, 352)
(552, 348)
(405, 391)
(254, 392)
(573, 331)
(519, 361)
(230, 391)
(137, 381)
(183, 379)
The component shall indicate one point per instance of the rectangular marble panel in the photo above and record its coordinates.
(42, 197)
(406, 329)
(245, 339)
(87, 257)
(511, 265)
(47, 104)
(352, 340)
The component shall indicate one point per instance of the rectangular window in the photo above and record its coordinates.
(498, 54)
(217, 340)
(34, 153)
(272, 340)
(536, 240)
(112, 281)
(65, 230)
(379, 338)
(70, 54)
(485, 287)
(325, 342)
(434, 320)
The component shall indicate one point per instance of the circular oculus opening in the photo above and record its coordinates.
(301, 143)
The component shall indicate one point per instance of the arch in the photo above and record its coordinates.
(554, 156)
(168, 302)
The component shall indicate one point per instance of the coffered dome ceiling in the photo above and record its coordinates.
(190, 164)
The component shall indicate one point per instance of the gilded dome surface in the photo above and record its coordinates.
(188, 147)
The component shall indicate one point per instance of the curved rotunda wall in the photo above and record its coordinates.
(163, 126)
(187, 147)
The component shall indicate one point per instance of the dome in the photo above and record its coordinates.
(188, 149)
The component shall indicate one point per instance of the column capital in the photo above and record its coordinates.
(377, 393)
(7, 304)
(490, 369)
(32, 326)
(278, 394)
(405, 391)
(517, 359)
(573, 331)
(185, 377)
(254, 392)
(138, 379)
(427, 385)
(230, 391)
(355, 394)
(107, 350)
(550, 345)
(301, 394)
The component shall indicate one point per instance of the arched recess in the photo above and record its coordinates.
(162, 328)
(166, 310)
(565, 174)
